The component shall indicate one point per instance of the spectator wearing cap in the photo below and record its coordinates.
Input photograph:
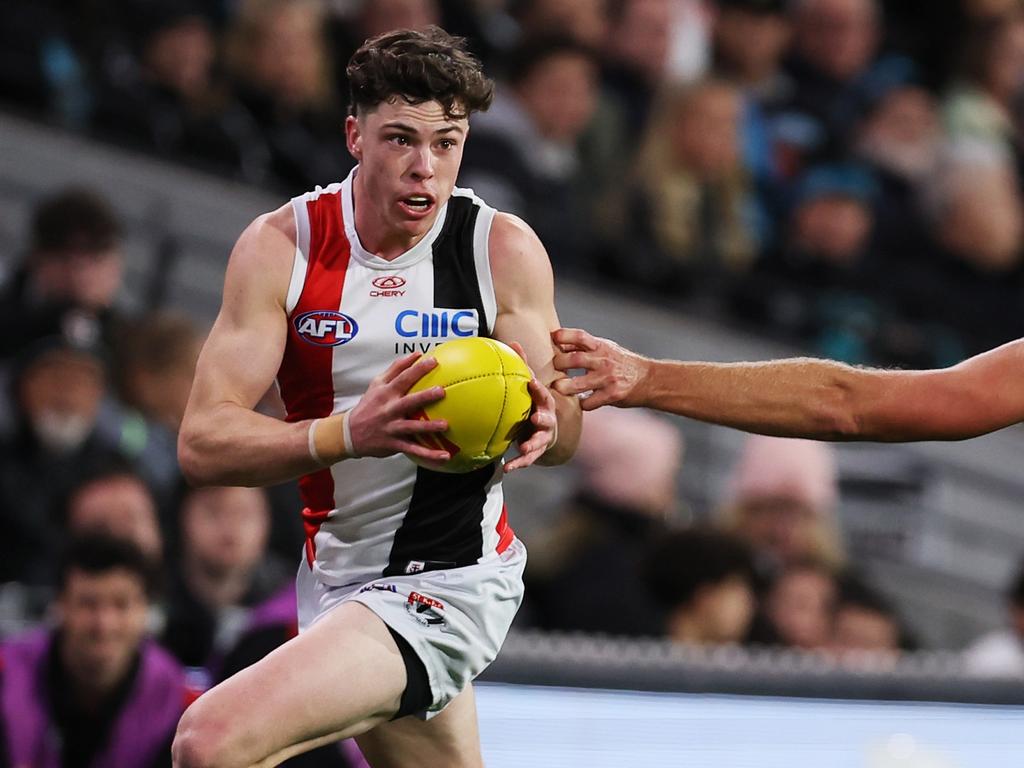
(1000, 653)
(525, 156)
(57, 387)
(703, 579)
(174, 101)
(70, 278)
(781, 499)
(819, 284)
(93, 690)
(587, 572)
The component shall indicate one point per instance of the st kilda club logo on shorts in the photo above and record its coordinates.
(325, 327)
(390, 285)
(426, 610)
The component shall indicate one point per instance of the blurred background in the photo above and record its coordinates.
(730, 180)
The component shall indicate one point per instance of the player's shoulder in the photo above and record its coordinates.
(512, 239)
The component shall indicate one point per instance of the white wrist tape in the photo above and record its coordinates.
(346, 434)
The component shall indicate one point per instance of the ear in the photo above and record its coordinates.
(354, 137)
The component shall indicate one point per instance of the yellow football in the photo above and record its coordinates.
(486, 400)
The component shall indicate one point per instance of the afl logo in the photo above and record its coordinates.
(325, 328)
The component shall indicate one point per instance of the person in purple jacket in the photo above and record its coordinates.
(93, 692)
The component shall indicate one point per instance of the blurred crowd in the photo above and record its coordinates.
(841, 173)
(844, 174)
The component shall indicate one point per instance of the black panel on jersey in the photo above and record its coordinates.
(442, 528)
(455, 282)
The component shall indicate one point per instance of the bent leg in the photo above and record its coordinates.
(341, 677)
(451, 739)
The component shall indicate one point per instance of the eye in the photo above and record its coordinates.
(447, 144)
(399, 140)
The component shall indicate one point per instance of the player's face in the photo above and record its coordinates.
(103, 620)
(409, 156)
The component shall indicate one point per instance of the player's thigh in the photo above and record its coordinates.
(451, 739)
(341, 676)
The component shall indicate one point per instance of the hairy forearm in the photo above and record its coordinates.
(232, 445)
(791, 398)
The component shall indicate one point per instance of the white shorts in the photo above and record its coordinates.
(455, 620)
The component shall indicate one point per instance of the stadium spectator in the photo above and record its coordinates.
(974, 204)
(691, 221)
(172, 100)
(71, 275)
(93, 691)
(278, 53)
(833, 69)
(750, 40)
(525, 154)
(798, 609)
(983, 104)
(57, 387)
(586, 21)
(117, 502)
(782, 499)
(223, 571)
(587, 572)
(1000, 653)
(637, 49)
(865, 626)
(155, 366)
(703, 579)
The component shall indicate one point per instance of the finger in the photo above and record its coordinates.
(409, 404)
(518, 348)
(566, 361)
(580, 384)
(417, 426)
(540, 395)
(576, 337)
(595, 401)
(404, 380)
(401, 364)
(522, 461)
(432, 455)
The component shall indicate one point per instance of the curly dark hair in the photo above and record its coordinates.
(428, 65)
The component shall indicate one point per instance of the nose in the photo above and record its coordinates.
(422, 164)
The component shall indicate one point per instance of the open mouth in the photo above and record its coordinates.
(417, 205)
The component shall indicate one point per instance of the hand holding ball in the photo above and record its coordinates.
(485, 404)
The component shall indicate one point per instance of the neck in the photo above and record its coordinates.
(217, 590)
(88, 692)
(373, 230)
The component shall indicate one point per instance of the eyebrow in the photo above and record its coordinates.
(406, 128)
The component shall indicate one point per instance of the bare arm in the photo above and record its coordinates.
(525, 291)
(805, 397)
(223, 440)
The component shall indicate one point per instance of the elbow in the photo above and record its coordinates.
(190, 457)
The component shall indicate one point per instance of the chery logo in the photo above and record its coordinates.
(388, 286)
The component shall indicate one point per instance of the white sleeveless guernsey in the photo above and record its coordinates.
(350, 315)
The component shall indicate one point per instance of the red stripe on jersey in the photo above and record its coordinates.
(306, 376)
(505, 532)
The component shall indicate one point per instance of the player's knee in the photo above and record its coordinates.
(200, 743)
